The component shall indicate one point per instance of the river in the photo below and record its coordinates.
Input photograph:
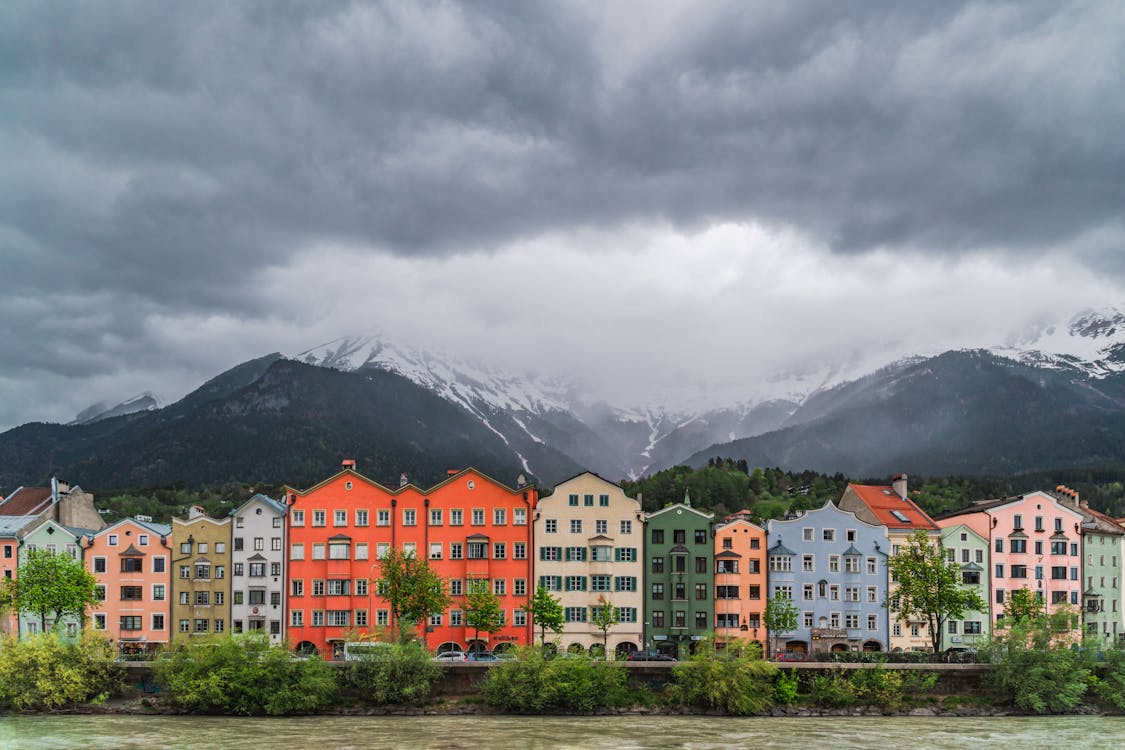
(541, 733)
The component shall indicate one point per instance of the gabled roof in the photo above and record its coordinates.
(132, 551)
(780, 549)
(891, 510)
(680, 506)
(984, 506)
(275, 505)
(160, 529)
(27, 501)
(727, 554)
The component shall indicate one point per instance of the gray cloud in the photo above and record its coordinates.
(161, 157)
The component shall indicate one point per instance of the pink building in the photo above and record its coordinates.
(130, 561)
(1036, 544)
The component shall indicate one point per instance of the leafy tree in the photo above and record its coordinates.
(546, 612)
(780, 616)
(929, 586)
(1036, 671)
(604, 617)
(482, 608)
(43, 673)
(51, 584)
(1023, 608)
(726, 681)
(411, 587)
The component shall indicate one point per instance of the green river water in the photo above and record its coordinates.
(537, 733)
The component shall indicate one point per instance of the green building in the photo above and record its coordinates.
(53, 537)
(969, 550)
(679, 601)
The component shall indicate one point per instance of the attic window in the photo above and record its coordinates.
(886, 492)
(900, 516)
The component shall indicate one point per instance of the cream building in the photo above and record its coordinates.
(590, 539)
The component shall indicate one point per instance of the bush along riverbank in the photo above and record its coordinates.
(245, 676)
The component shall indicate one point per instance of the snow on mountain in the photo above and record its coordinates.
(1092, 343)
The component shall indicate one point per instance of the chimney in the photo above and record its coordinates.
(898, 484)
(402, 480)
(451, 472)
(348, 463)
(54, 490)
(195, 511)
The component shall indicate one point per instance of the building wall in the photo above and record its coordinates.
(970, 551)
(103, 558)
(53, 538)
(1034, 560)
(443, 524)
(740, 596)
(202, 575)
(679, 603)
(806, 560)
(909, 634)
(1102, 555)
(592, 502)
(257, 599)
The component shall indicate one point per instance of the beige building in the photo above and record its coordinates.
(201, 564)
(590, 538)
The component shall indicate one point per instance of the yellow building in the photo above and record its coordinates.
(200, 569)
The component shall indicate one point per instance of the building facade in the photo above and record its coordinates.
(970, 551)
(833, 567)
(258, 552)
(1035, 543)
(1103, 548)
(891, 506)
(131, 561)
(201, 587)
(680, 558)
(55, 538)
(590, 544)
(10, 529)
(468, 527)
(740, 581)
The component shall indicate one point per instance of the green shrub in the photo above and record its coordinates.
(1110, 687)
(1035, 673)
(42, 672)
(398, 674)
(786, 689)
(724, 681)
(244, 676)
(534, 684)
(831, 690)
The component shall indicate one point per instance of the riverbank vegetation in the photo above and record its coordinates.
(46, 672)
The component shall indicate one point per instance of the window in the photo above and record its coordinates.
(572, 500)
(238, 543)
(551, 583)
(185, 626)
(726, 566)
(972, 627)
(658, 565)
(701, 536)
(781, 563)
(202, 625)
(499, 551)
(970, 577)
(576, 583)
(455, 617)
(851, 564)
(603, 501)
(113, 541)
(626, 527)
(360, 551)
(574, 614)
(601, 527)
(658, 591)
(435, 517)
(382, 517)
(339, 618)
(1058, 572)
(1019, 571)
(657, 619)
(1018, 546)
(999, 544)
(319, 517)
(277, 525)
(499, 516)
(99, 565)
(519, 550)
(807, 591)
(828, 535)
(658, 536)
(576, 554)
(297, 587)
(456, 587)
(627, 583)
(679, 619)
(297, 518)
(851, 621)
(519, 517)
(339, 518)
(317, 587)
(409, 517)
(435, 550)
(808, 563)
(872, 622)
(576, 526)
(336, 587)
(478, 516)
(185, 548)
(132, 565)
(456, 517)
(726, 592)
(872, 566)
(456, 551)
(807, 534)
(203, 570)
(679, 536)
(257, 570)
(99, 592)
(478, 550)
(1058, 548)
(625, 554)
(519, 587)
(158, 622)
(519, 618)
(131, 622)
(500, 587)
(588, 501)
(131, 594)
(202, 598)
(550, 526)
(318, 550)
(185, 571)
(1017, 522)
(361, 518)
(382, 617)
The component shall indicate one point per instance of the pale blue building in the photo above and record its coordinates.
(833, 567)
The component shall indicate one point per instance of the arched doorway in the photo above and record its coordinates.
(506, 647)
(668, 648)
(576, 648)
(625, 648)
(797, 647)
(871, 646)
(448, 646)
(306, 648)
(839, 648)
(476, 647)
(597, 651)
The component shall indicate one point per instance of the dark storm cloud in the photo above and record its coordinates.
(159, 155)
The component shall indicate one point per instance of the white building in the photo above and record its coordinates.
(258, 568)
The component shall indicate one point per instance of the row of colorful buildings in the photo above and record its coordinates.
(303, 569)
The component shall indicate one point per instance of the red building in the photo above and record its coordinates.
(468, 527)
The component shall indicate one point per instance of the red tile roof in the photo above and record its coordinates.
(26, 501)
(887, 506)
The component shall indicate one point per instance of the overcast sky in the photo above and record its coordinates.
(645, 195)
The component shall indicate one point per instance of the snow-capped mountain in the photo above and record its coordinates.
(141, 402)
(629, 440)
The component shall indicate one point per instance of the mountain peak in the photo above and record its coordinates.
(145, 401)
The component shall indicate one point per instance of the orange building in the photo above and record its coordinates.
(740, 581)
(468, 527)
(131, 562)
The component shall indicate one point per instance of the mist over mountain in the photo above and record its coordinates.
(398, 409)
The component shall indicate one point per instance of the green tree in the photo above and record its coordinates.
(51, 584)
(546, 612)
(929, 587)
(411, 587)
(482, 608)
(1023, 608)
(603, 617)
(780, 616)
